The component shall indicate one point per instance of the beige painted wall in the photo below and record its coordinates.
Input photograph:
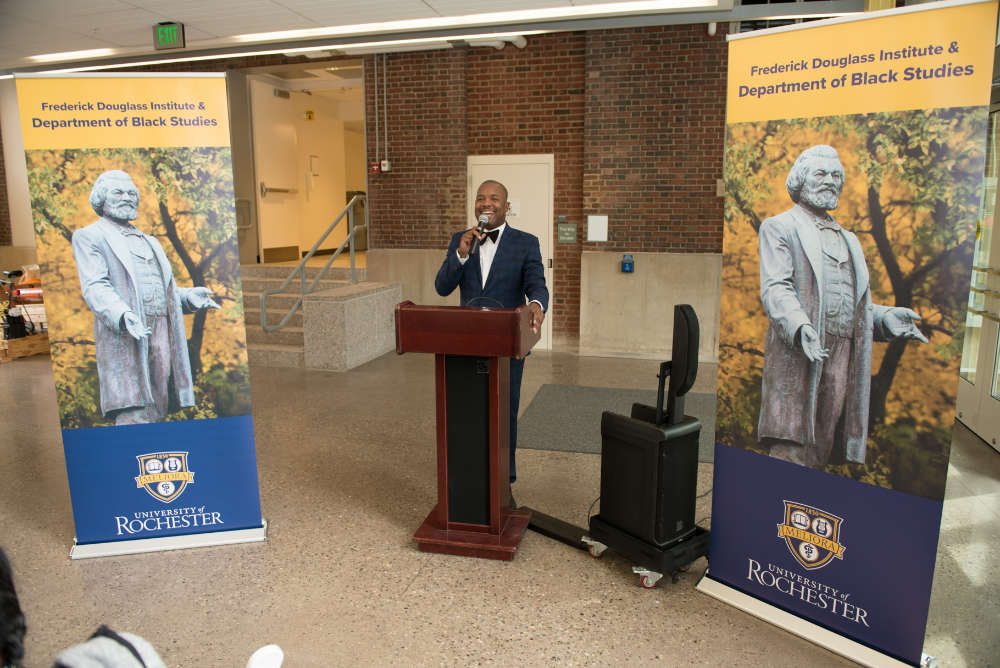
(414, 269)
(632, 314)
(14, 257)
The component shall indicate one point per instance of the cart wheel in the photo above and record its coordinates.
(647, 578)
(596, 548)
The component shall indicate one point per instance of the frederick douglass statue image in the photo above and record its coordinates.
(128, 283)
(814, 285)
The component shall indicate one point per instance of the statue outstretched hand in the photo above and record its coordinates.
(134, 326)
(200, 297)
(900, 321)
(809, 340)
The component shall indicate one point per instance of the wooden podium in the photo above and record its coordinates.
(472, 348)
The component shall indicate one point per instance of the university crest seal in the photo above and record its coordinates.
(164, 474)
(812, 535)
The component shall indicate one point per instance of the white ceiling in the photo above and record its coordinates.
(34, 27)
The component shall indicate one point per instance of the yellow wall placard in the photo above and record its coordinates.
(94, 111)
(916, 60)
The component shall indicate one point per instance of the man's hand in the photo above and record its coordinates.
(900, 323)
(132, 324)
(465, 243)
(809, 340)
(199, 298)
(537, 316)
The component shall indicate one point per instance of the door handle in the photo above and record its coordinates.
(987, 270)
(986, 314)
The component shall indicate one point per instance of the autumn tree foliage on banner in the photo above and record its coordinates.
(186, 202)
(912, 196)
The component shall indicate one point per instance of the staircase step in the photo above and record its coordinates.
(271, 354)
(287, 336)
(277, 305)
(258, 284)
(252, 317)
(282, 272)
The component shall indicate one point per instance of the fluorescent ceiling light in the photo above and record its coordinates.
(308, 54)
(360, 50)
(415, 44)
(434, 40)
(565, 12)
(68, 55)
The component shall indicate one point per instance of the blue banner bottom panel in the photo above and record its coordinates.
(162, 479)
(851, 557)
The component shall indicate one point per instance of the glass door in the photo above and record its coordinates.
(979, 385)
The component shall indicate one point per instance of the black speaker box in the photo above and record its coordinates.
(649, 475)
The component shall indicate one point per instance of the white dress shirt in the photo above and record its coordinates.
(487, 251)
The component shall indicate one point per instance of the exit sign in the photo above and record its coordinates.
(168, 36)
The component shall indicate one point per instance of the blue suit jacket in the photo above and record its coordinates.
(516, 275)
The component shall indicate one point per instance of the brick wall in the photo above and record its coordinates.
(420, 202)
(654, 136)
(634, 117)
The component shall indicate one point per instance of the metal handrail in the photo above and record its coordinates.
(985, 314)
(301, 266)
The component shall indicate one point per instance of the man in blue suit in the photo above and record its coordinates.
(506, 270)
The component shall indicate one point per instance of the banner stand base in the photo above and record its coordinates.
(120, 547)
(825, 638)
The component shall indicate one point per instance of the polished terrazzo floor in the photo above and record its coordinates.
(347, 474)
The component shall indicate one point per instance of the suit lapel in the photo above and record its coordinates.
(860, 267)
(119, 246)
(477, 272)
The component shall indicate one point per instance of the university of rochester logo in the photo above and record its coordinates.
(812, 535)
(164, 474)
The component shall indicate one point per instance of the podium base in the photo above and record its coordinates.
(502, 546)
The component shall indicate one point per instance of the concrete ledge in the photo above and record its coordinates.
(347, 326)
(415, 269)
(14, 257)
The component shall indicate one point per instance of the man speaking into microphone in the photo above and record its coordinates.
(505, 270)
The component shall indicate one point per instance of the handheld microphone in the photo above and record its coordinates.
(483, 219)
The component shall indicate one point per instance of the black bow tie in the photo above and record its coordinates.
(492, 236)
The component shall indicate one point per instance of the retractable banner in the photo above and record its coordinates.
(855, 153)
(131, 190)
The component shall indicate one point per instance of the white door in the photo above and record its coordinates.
(529, 180)
(979, 383)
(275, 163)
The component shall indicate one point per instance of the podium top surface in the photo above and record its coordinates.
(464, 330)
